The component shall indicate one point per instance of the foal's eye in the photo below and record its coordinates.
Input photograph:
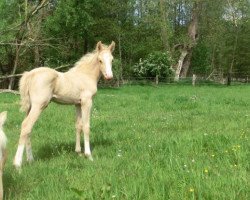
(100, 61)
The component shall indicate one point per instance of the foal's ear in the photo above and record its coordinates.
(99, 46)
(112, 46)
(3, 117)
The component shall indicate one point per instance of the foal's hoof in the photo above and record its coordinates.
(18, 168)
(30, 160)
(89, 157)
(80, 154)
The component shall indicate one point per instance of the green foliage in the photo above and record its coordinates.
(117, 69)
(64, 30)
(156, 64)
(69, 25)
(200, 63)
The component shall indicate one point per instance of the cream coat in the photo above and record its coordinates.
(77, 87)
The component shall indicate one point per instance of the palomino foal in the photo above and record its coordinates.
(76, 86)
(3, 153)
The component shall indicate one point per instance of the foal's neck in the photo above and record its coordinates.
(88, 65)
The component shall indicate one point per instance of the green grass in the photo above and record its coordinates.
(166, 142)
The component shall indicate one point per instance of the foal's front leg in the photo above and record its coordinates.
(78, 129)
(86, 109)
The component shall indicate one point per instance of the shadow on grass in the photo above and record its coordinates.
(50, 151)
(12, 183)
(101, 142)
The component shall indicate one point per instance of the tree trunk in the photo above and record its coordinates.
(180, 64)
(12, 79)
(230, 70)
(163, 22)
(120, 56)
(37, 56)
(186, 64)
(185, 57)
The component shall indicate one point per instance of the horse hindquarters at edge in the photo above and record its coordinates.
(3, 152)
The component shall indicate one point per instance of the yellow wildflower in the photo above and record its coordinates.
(191, 189)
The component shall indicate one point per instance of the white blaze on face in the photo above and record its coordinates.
(107, 59)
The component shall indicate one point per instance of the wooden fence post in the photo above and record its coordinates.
(157, 80)
(194, 79)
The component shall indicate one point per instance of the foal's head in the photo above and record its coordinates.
(105, 59)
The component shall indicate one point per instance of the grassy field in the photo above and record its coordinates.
(167, 142)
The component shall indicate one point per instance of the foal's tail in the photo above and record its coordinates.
(24, 92)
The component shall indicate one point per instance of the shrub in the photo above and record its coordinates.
(156, 63)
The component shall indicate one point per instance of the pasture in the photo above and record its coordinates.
(165, 142)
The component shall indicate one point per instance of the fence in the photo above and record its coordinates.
(192, 80)
(132, 80)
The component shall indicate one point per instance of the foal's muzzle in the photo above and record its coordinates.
(108, 77)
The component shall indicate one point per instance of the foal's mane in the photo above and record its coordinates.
(87, 58)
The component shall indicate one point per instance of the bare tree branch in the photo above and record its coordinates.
(9, 91)
(17, 75)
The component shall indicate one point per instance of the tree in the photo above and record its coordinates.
(18, 32)
(186, 48)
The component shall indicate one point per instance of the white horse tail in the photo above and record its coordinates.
(24, 92)
(3, 141)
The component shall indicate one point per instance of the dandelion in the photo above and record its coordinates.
(226, 151)
(185, 166)
(212, 155)
(206, 170)
(149, 146)
(235, 165)
(191, 189)
(113, 196)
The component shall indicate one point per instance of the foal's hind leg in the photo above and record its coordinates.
(78, 128)
(26, 128)
(29, 154)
